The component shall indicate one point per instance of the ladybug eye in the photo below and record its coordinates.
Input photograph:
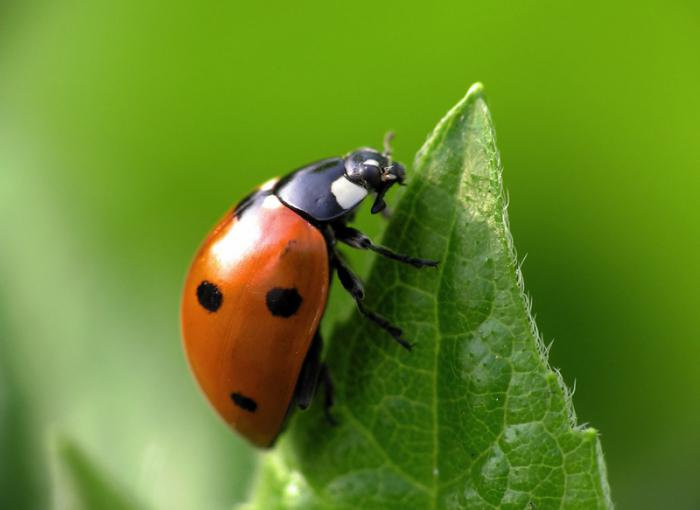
(365, 167)
(371, 171)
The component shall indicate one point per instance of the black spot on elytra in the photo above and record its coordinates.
(209, 296)
(245, 403)
(283, 302)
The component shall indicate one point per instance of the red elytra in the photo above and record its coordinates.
(241, 350)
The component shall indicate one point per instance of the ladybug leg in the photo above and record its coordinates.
(309, 375)
(354, 286)
(328, 394)
(356, 239)
(314, 373)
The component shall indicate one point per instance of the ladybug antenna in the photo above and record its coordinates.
(388, 137)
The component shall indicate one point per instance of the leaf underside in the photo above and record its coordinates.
(473, 417)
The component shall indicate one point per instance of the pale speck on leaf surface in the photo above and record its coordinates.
(473, 417)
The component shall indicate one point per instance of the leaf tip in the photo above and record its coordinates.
(472, 101)
(475, 94)
(476, 90)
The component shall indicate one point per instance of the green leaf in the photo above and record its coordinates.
(473, 417)
(78, 484)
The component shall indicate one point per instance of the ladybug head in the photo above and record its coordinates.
(375, 171)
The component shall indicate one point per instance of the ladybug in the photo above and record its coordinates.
(257, 289)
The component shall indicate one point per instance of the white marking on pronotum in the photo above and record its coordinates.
(371, 162)
(269, 184)
(347, 194)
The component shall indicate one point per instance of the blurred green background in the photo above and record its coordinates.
(127, 128)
